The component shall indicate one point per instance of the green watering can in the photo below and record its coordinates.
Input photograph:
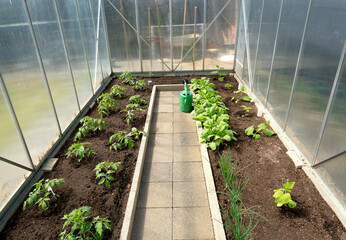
(185, 98)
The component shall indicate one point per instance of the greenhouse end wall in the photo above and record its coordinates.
(292, 55)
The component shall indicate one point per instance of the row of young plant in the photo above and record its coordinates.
(78, 224)
(211, 112)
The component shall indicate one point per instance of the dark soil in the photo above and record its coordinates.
(270, 167)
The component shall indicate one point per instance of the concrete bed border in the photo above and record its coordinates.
(126, 229)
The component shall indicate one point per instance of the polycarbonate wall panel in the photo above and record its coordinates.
(122, 38)
(288, 44)
(23, 78)
(74, 44)
(51, 47)
(320, 57)
(89, 30)
(333, 173)
(334, 139)
(11, 178)
(266, 46)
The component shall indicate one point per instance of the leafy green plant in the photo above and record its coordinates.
(80, 151)
(227, 86)
(104, 171)
(140, 85)
(136, 99)
(199, 84)
(283, 197)
(117, 91)
(242, 91)
(262, 128)
(81, 228)
(132, 112)
(127, 78)
(221, 76)
(247, 110)
(105, 104)
(89, 125)
(123, 139)
(42, 193)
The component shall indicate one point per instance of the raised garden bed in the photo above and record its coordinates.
(269, 168)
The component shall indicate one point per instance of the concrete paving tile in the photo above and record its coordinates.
(184, 126)
(162, 117)
(158, 154)
(192, 223)
(155, 195)
(188, 172)
(167, 93)
(187, 154)
(185, 139)
(161, 127)
(157, 172)
(180, 116)
(165, 140)
(164, 100)
(190, 194)
(152, 223)
(163, 108)
(176, 108)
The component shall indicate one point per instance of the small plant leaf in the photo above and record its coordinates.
(247, 98)
(289, 185)
(249, 131)
(268, 132)
(257, 136)
(212, 145)
(292, 204)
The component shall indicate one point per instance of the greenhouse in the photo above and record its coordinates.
(162, 119)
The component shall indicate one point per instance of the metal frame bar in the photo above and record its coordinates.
(236, 37)
(16, 123)
(258, 43)
(171, 31)
(274, 53)
(15, 164)
(204, 40)
(138, 38)
(66, 52)
(43, 71)
(297, 66)
(193, 45)
(83, 43)
(105, 27)
(117, 10)
(330, 103)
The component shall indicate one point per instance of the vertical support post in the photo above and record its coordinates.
(171, 31)
(274, 53)
(15, 120)
(66, 53)
(204, 40)
(297, 66)
(105, 27)
(43, 71)
(330, 103)
(97, 55)
(258, 43)
(150, 46)
(138, 38)
(194, 38)
(159, 26)
(83, 43)
(236, 37)
(182, 35)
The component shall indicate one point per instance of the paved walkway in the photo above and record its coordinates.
(172, 202)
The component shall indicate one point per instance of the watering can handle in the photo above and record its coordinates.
(185, 82)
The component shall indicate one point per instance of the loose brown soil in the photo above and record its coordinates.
(270, 166)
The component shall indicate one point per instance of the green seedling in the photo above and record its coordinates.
(42, 193)
(227, 86)
(262, 128)
(80, 151)
(104, 171)
(132, 112)
(117, 91)
(89, 125)
(247, 110)
(283, 197)
(140, 85)
(136, 135)
(127, 78)
(81, 228)
(122, 139)
(105, 104)
(242, 91)
(221, 76)
(136, 99)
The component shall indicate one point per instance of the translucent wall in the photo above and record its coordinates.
(295, 64)
(45, 78)
(167, 35)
